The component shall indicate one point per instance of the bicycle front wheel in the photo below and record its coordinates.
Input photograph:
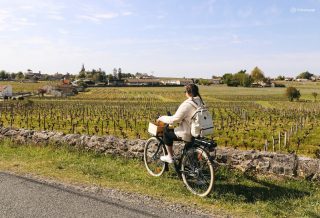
(197, 171)
(153, 150)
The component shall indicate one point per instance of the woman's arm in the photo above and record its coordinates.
(180, 114)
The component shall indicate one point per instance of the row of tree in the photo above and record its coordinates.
(93, 75)
(6, 75)
(243, 79)
(303, 75)
(101, 76)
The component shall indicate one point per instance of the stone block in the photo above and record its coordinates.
(308, 167)
(11, 133)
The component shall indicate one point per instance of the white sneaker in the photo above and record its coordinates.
(167, 159)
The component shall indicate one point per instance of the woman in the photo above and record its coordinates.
(182, 116)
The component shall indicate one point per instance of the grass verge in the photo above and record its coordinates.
(240, 195)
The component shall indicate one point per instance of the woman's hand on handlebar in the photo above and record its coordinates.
(160, 123)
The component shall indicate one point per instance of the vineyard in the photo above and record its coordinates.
(245, 118)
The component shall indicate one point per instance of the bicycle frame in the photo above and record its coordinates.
(197, 173)
(177, 163)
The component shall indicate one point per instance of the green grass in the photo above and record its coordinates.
(235, 193)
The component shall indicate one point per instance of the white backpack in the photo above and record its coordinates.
(201, 121)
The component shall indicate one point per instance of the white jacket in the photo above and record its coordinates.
(183, 116)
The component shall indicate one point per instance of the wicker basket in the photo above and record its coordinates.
(155, 130)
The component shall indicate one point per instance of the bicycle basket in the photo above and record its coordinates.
(155, 130)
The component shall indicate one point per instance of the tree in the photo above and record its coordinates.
(226, 78)
(115, 74)
(305, 75)
(293, 93)
(204, 82)
(12, 75)
(242, 78)
(19, 76)
(314, 94)
(3, 75)
(119, 73)
(257, 74)
(110, 77)
(127, 75)
(280, 78)
(242, 71)
(82, 75)
(215, 77)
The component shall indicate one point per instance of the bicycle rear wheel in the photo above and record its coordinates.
(197, 171)
(151, 156)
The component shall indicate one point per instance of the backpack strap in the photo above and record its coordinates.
(193, 103)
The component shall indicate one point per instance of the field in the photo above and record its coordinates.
(247, 118)
(26, 87)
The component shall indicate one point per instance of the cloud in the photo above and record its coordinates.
(127, 13)
(9, 21)
(55, 15)
(89, 18)
(26, 7)
(4, 14)
(109, 15)
(204, 7)
(99, 17)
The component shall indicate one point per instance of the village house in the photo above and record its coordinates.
(142, 82)
(289, 79)
(216, 81)
(261, 84)
(180, 82)
(315, 78)
(303, 80)
(116, 82)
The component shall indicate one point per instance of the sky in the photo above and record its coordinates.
(178, 38)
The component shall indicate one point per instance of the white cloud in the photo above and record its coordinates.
(89, 18)
(26, 7)
(99, 17)
(55, 15)
(10, 21)
(204, 6)
(126, 13)
(4, 15)
(109, 15)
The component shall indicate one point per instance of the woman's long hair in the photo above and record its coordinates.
(193, 90)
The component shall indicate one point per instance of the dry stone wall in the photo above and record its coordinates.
(261, 162)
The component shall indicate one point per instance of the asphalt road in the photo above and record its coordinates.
(28, 197)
